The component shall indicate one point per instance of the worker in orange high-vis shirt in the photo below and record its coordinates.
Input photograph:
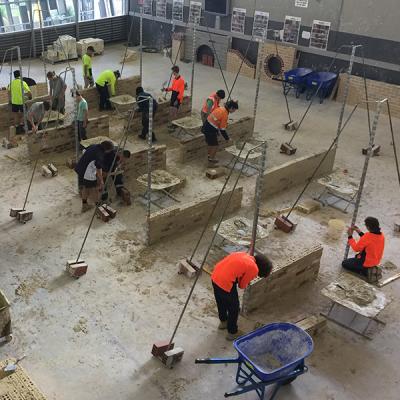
(178, 91)
(211, 103)
(236, 269)
(216, 123)
(369, 248)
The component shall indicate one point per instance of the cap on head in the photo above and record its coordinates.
(221, 94)
(117, 74)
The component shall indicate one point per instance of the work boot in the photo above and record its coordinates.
(223, 325)
(213, 162)
(233, 336)
(86, 207)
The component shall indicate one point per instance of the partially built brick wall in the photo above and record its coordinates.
(376, 91)
(285, 277)
(196, 147)
(62, 138)
(296, 172)
(124, 86)
(287, 53)
(183, 217)
(235, 60)
(137, 164)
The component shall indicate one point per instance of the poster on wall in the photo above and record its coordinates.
(195, 12)
(238, 20)
(177, 10)
(301, 3)
(161, 9)
(320, 34)
(260, 25)
(148, 7)
(291, 29)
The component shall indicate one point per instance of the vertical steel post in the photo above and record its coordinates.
(260, 63)
(365, 169)
(193, 63)
(77, 143)
(22, 89)
(42, 39)
(141, 45)
(257, 198)
(149, 156)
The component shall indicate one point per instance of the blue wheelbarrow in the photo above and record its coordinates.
(321, 84)
(271, 355)
(296, 79)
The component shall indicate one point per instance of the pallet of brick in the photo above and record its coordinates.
(129, 56)
(83, 44)
(65, 46)
(17, 385)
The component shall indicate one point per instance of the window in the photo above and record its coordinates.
(96, 9)
(14, 16)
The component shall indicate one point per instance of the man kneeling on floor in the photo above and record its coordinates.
(236, 269)
(117, 169)
(90, 172)
(369, 248)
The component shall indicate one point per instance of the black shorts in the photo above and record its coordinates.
(210, 133)
(86, 183)
(16, 108)
(174, 100)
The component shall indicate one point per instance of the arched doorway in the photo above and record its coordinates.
(205, 55)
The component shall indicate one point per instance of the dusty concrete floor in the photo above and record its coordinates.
(91, 339)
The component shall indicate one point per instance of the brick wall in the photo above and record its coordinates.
(287, 53)
(234, 60)
(376, 91)
(285, 278)
(183, 217)
(40, 89)
(196, 147)
(124, 86)
(296, 172)
(63, 138)
(137, 164)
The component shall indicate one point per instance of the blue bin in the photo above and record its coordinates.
(325, 81)
(275, 350)
(296, 78)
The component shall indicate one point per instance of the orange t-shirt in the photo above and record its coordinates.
(219, 118)
(373, 245)
(215, 101)
(178, 85)
(240, 267)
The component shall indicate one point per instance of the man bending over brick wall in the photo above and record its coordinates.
(236, 269)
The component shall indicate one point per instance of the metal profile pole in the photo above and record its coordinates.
(393, 140)
(32, 30)
(141, 45)
(260, 63)
(22, 89)
(193, 63)
(77, 142)
(347, 87)
(258, 198)
(30, 184)
(42, 39)
(365, 169)
(149, 156)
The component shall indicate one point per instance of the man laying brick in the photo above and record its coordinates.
(211, 103)
(116, 168)
(142, 101)
(90, 172)
(36, 114)
(369, 249)
(236, 269)
(57, 92)
(106, 85)
(216, 124)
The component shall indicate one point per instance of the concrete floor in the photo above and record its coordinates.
(91, 339)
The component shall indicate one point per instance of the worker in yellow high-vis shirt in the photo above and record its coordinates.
(87, 67)
(17, 100)
(105, 85)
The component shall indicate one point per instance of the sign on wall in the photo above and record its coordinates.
(301, 3)
(291, 29)
(260, 25)
(195, 12)
(161, 8)
(148, 7)
(320, 34)
(238, 20)
(177, 10)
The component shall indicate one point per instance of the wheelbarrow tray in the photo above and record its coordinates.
(323, 79)
(275, 350)
(297, 76)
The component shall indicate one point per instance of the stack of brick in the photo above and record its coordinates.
(286, 53)
(196, 147)
(285, 277)
(179, 218)
(296, 172)
(124, 86)
(62, 138)
(235, 60)
(178, 45)
(376, 91)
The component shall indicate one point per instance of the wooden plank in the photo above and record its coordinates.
(386, 281)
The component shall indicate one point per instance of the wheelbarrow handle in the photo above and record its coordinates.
(216, 361)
